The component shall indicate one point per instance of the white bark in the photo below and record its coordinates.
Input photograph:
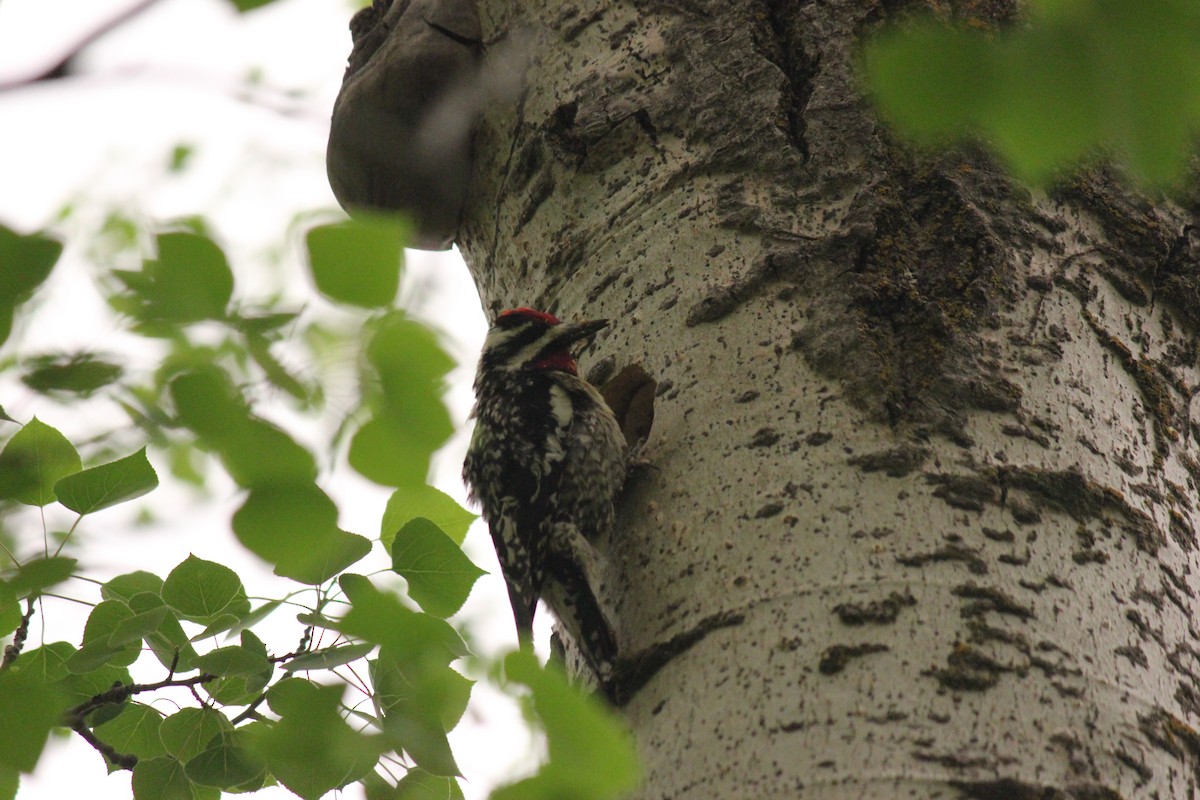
(929, 438)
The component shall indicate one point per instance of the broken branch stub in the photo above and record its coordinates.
(400, 137)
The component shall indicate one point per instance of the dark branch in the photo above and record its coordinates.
(65, 65)
(14, 648)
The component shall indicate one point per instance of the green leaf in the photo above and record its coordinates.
(10, 781)
(381, 618)
(107, 485)
(80, 374)
(390, 453)
(414, 697)
(420, 500)
(329, 657)
(189, 281)
(246, 671)
(161, 778)
(124, 587)
(256, 616)
(930, 80)
(10, 610)
(357, 261)
(233, 660)
(81, 687)
(417, 784)
(98, 649)
(294, 527)
(35, 576)
(311, 750)
(139, 626)
(225, 765)
(410, 421)
(48, 662)
(35, 459)
(1077, 80)
(249, 5)
(189, 731)
(134, 732)
(202, 590)
(439, 574)
(4, 415)
(254, 451)
(167, 641)
(181, 154)
(592, 755)
(27, 261)
(31, 709)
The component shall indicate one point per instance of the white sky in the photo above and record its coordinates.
(100, 140)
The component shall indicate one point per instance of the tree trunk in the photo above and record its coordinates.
(927, 436)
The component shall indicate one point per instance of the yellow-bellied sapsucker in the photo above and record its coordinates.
(546, 462)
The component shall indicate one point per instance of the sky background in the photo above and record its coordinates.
(251, 95)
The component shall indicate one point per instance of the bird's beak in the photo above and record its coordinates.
(569, 333)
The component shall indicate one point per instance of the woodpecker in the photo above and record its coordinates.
(546, 462)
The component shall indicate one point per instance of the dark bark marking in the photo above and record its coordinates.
(835, 659)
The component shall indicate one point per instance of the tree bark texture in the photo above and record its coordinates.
(926, 435)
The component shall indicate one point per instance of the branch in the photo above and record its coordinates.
(119, 693)
(63, 67)
(14, 648)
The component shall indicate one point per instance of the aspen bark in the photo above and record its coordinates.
(926, 434)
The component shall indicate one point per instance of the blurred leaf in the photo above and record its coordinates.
(107, 485)
(329, 657)
(592, 755)
(294, 527)
(415, 697)
(161, 778)
(421, 500)
(79, 374)
(31, 709)
(1081, 79)
(25, 262)
(4, 415)
(254, 451)
(311, 750)
(410, 421)
(189, 281)
(34, 459)
(188, 732)
(379, 617)
(249, 5)
(181, 154)
(279, 376)
(134, 732)
(930, 80)
(10, 611)
(35, 576)
(202, 590)
(438, 572)
(357, 261)
(417, 784)
(10, 781)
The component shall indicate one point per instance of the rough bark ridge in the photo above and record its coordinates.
(929, 435)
